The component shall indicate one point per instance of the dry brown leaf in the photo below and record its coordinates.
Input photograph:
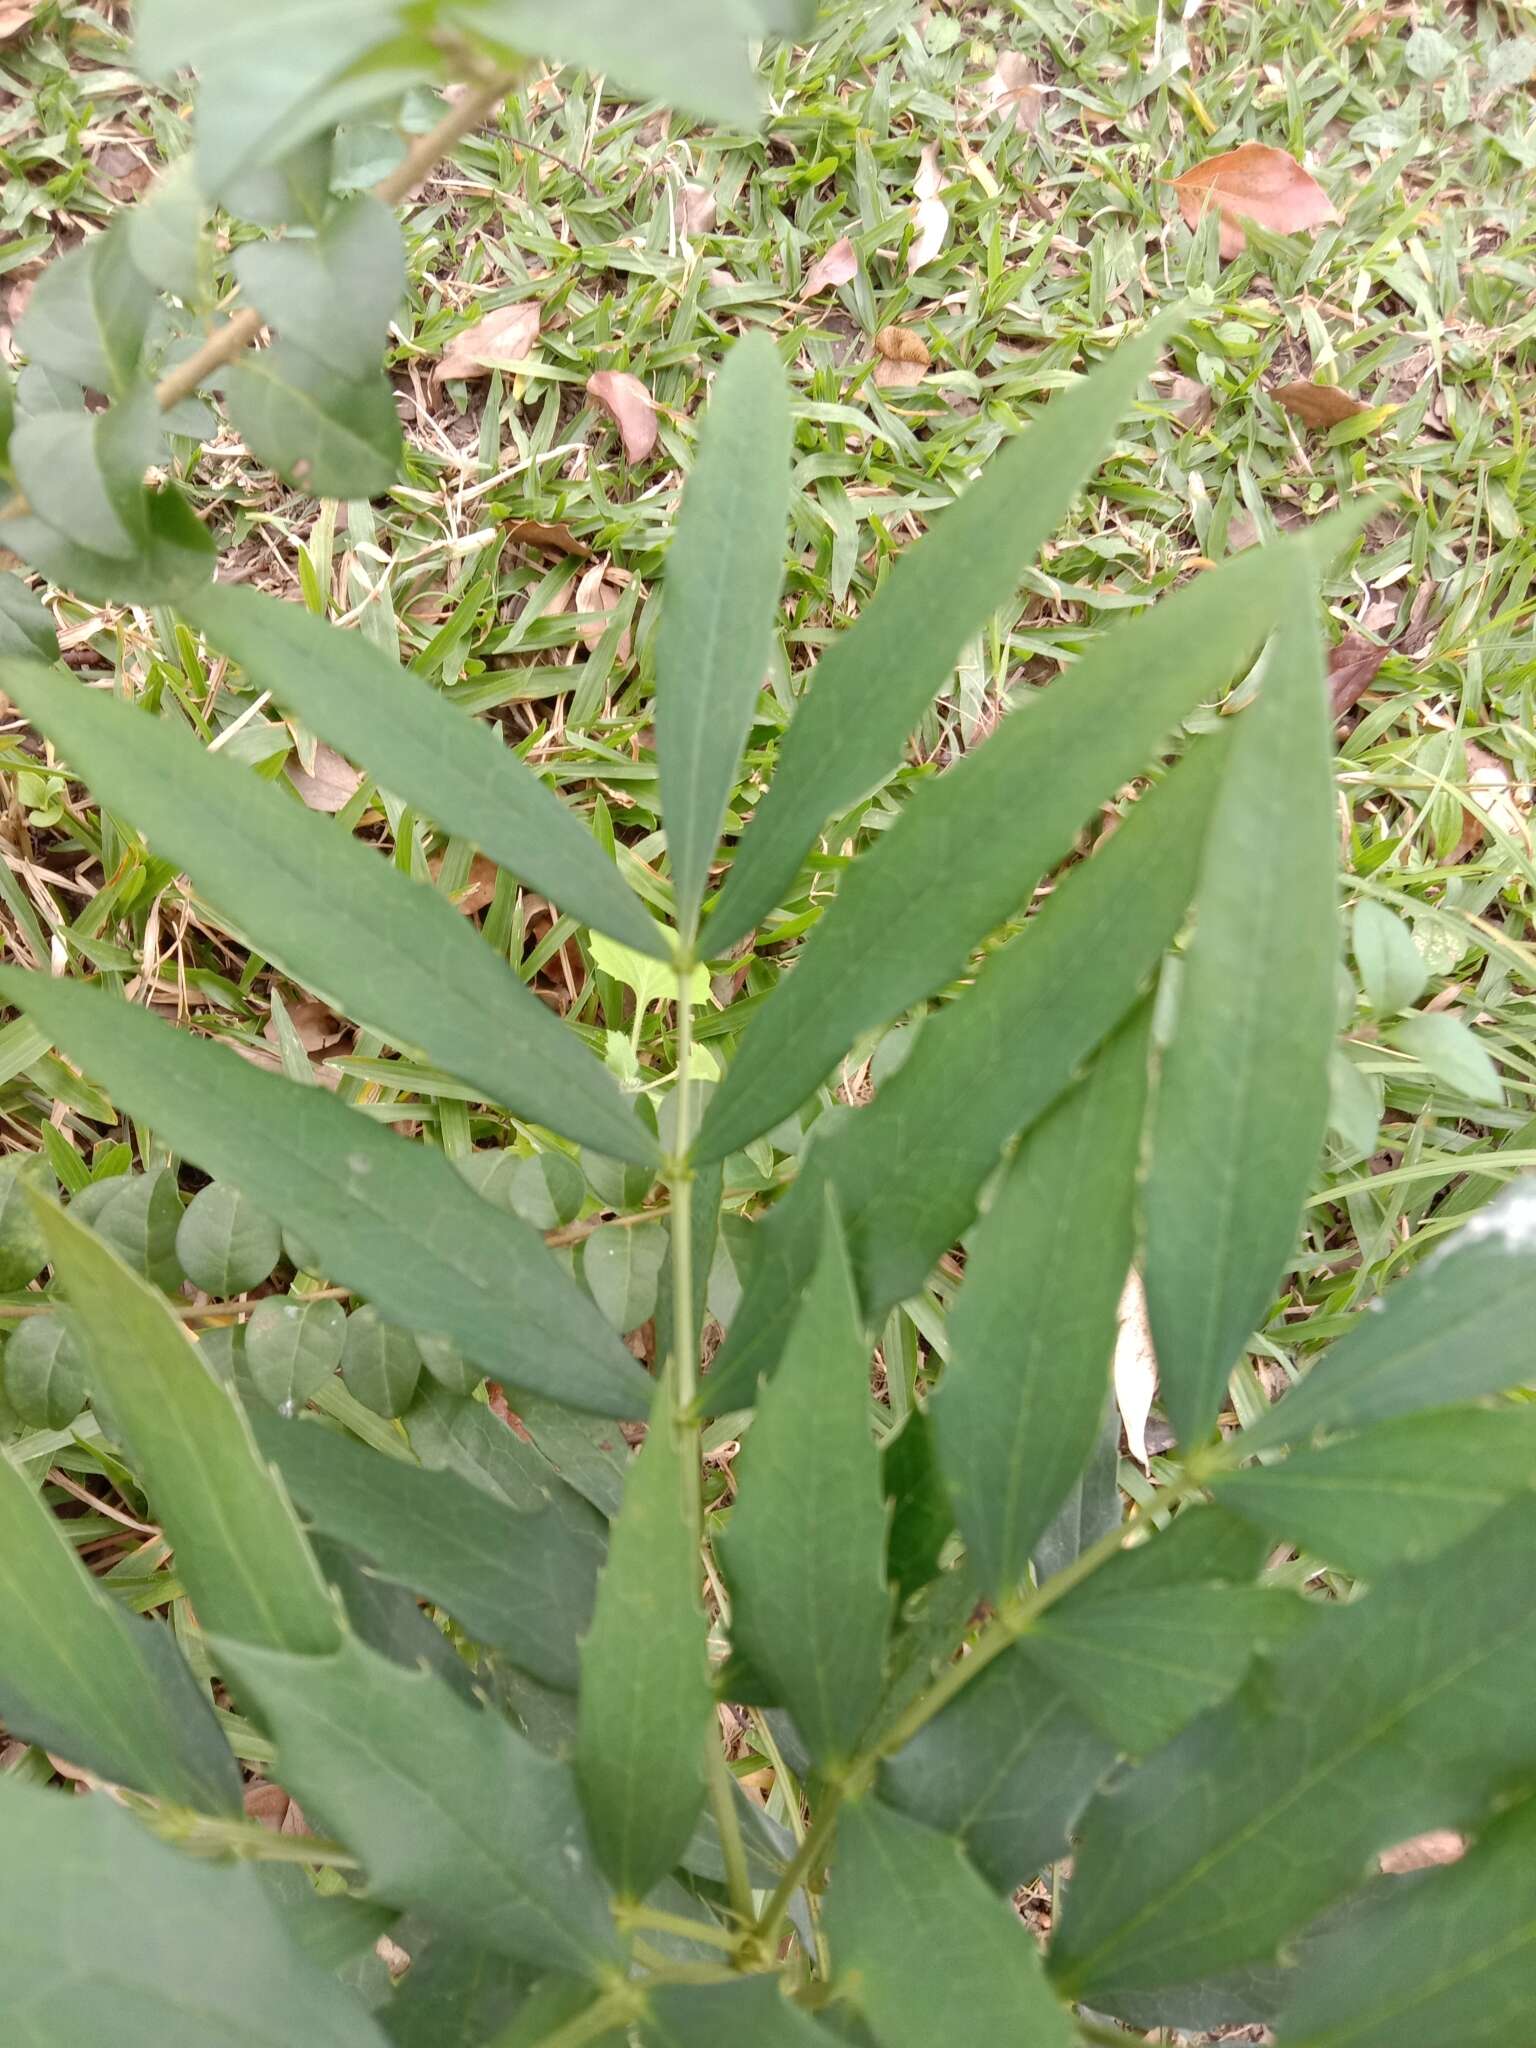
(1492, 795)
(698, 209)
(332, 784)
(499, 340)
(15, 17)
(598, 592)
(837, 266)
(625, 399)
(1195, 402)
(1352, 668)
(317, 1027)
(1013, 86)
(1318, 405)
(478, 892)
(1254, 183)
(903, 359)
(929, 180)
(930, 217)
(1135, 1370)
(537, 533)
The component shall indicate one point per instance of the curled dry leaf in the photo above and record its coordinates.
(1352, 668)
(598, 592)
(903, 358)
(837, 266)
(1135, 1367)
(1013, 88)
(1318, 405)
(929, 180)
(627, 402)
(930, 216)
(1195, 402)
(499, 340)
(1257, 183)
(332, 783)
(16, 17)
(538, 534)
(698, 209)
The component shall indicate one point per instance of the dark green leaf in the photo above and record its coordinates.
(292, 1347)
(238, 1546)
(110, 1694)
(1404, 1711)
(646, 1708)
(336, 293)
(752, 2014)
(1007, 1766)
(450, 1811)
(172, 1952)
(720, 601)
(45, 1380)
(1458, 1328)
(906, 1170)
(176, 555)
(224, 1243)
(1033, 1330)
(449, 1433)
(379, 1362)
(1400, 1492)
(165, 232)
(389, 1619)
(1391, 965)
(1090, 1510)
(140, 1220)
(1451, 1956)
(874, 681)
(26, 624)
(696, 58)
(621, 1265)
(422, 1246)
(968, 848)
(804, 1555)
(59, 464)
(456, 770)
(912, 1926)
(922, 1517)
(455, 1996)
(336, 916)
(520, 1582)
(23, 1252)
(1242, 1102)
(330, 433)
(88, 314)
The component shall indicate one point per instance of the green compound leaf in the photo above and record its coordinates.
(202, 1957)
(646, 1709)
(454, 769)
(721, 595)
(1457, 1328)
(1007, 1767)
(1401, 1491)
(390, 950)
(1242, 1104)
(519, 1582)
(968, 848)
(905, 1172)
(81, 1678)
(1452, 1956)
(239, 1550)
(1403, 1711)
(910, 1922)
(45, 1376)
(391, 1220)
(292, 1347)
(804, 1555)
(1032, 1332)
(452, 1813)
(875, 680)
(379, 1362)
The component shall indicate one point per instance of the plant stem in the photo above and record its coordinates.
(610, 2011)
(674, 1923)
(417, 164)
(722, 1800)
(804, 1861)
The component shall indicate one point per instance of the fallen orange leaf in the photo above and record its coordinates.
(627, 402)
(1318, 405)
(839, 265)
(1257, 183)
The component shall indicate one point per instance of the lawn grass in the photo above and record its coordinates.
(648, 247)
